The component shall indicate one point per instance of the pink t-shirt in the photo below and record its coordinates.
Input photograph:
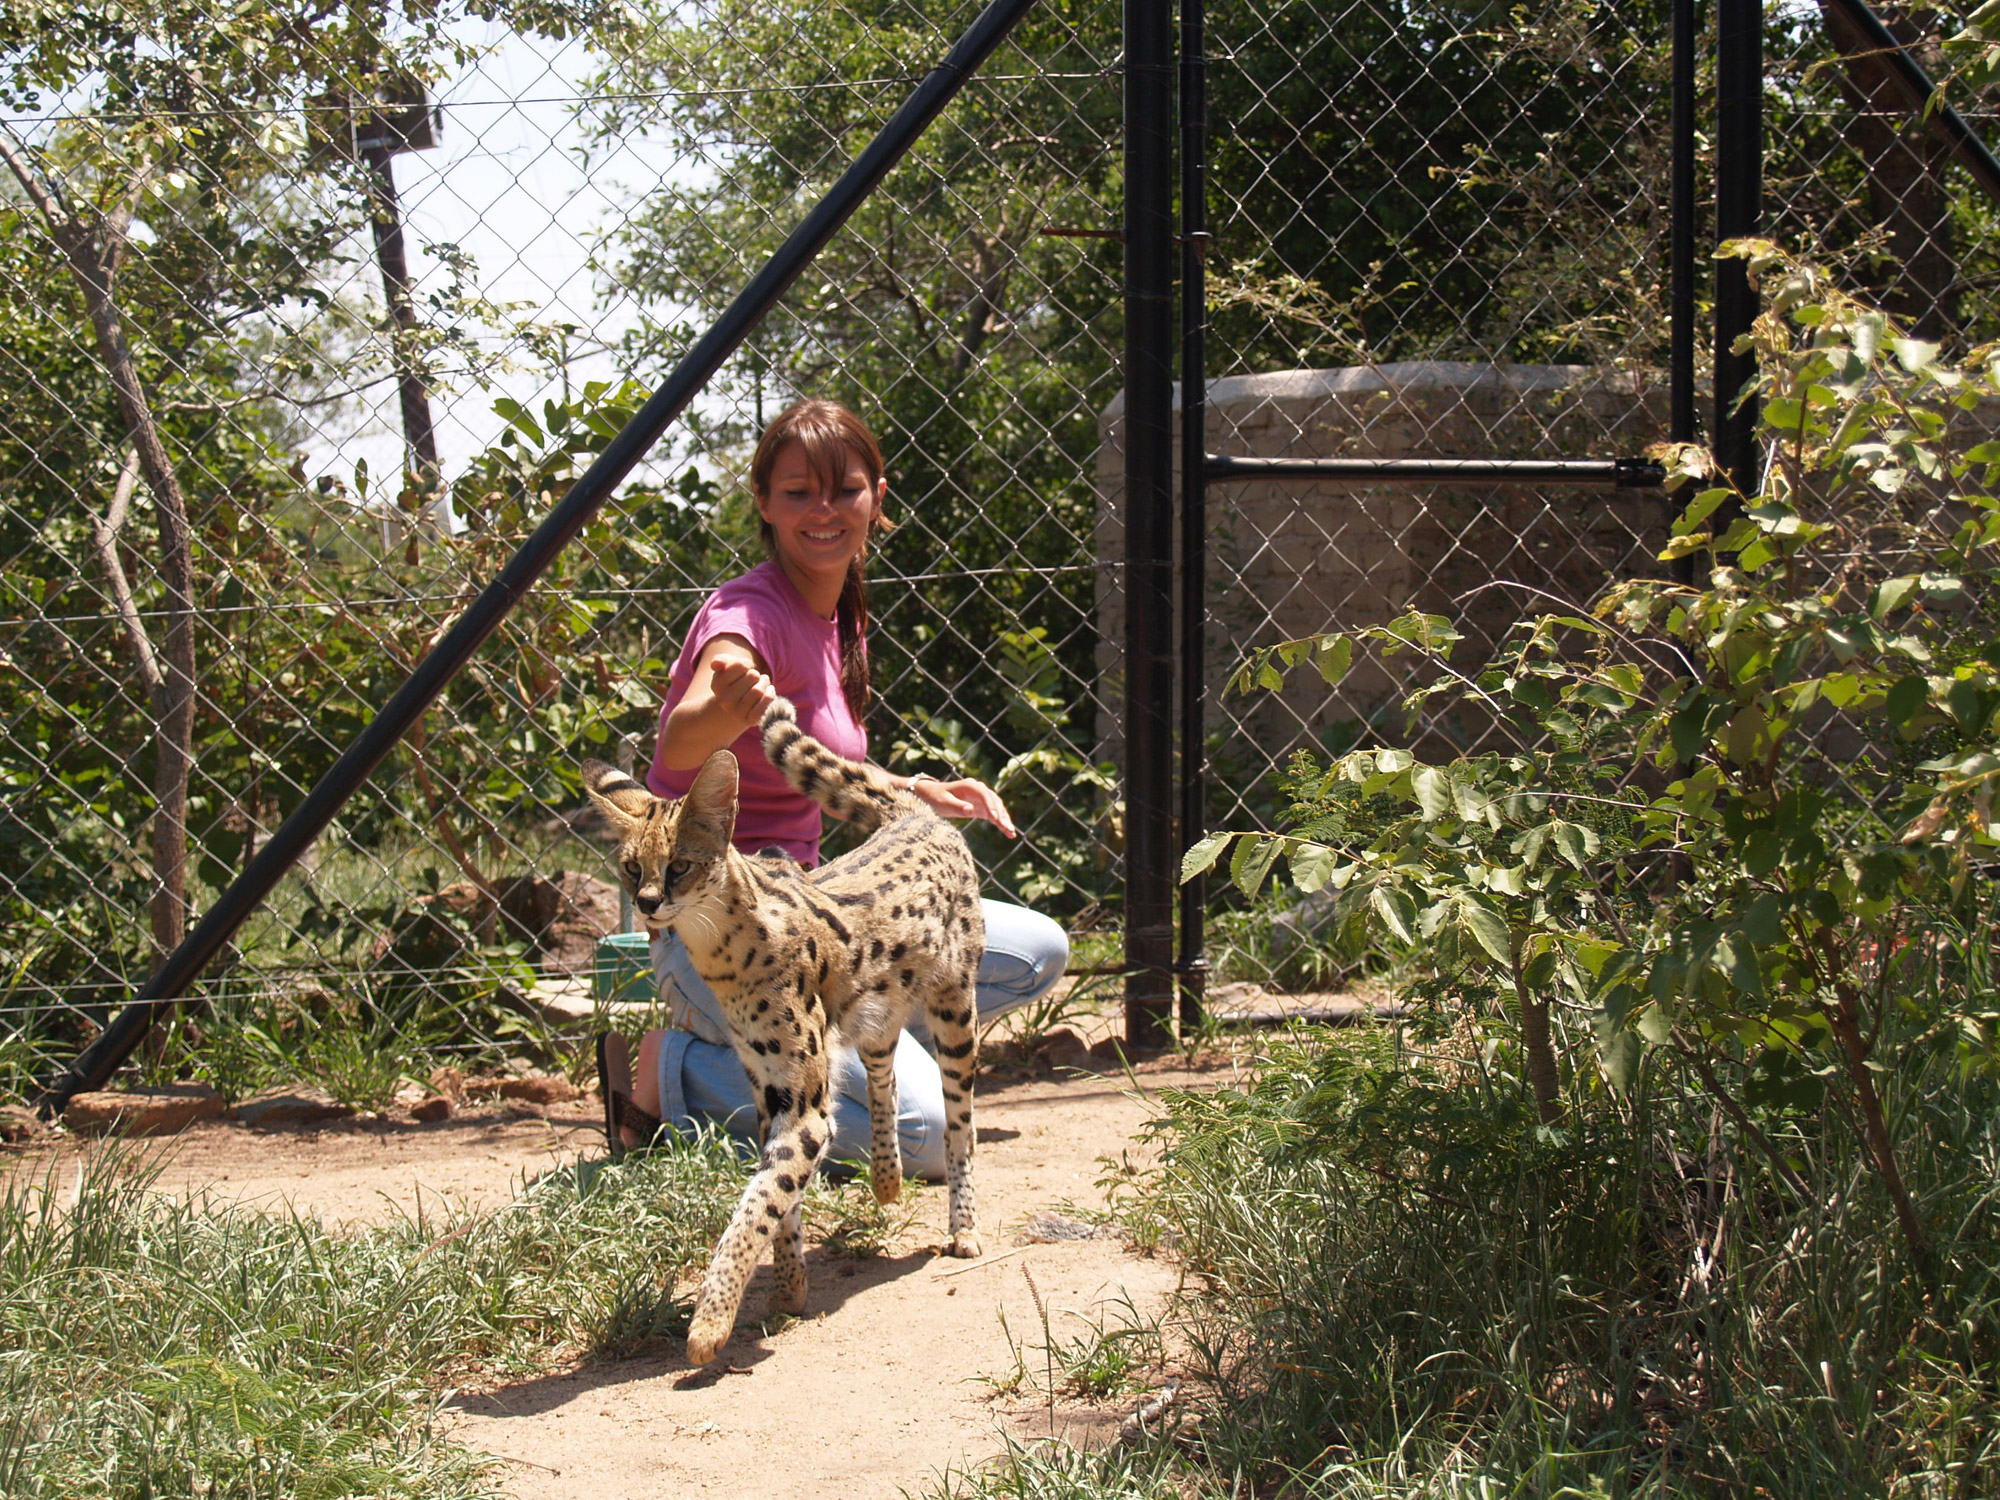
(802, 652)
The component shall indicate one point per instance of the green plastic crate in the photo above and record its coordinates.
(624, 970)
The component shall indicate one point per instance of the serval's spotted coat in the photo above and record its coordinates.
(795, 957)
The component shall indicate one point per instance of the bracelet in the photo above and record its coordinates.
(921, 776)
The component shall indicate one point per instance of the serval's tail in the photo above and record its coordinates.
(855, 793)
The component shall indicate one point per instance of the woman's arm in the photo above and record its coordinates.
(729, 692)
(964, 798)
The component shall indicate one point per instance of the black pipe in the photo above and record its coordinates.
(1620, 473)
(1739, 199)
(1151, 862)
(1918, 92)
(1681, 232)
(1192, 965)
(583, 499)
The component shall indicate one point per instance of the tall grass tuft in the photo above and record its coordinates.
(154, 1346)
(1405, 1285)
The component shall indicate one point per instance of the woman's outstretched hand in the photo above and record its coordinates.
(741, 690)
(966, 798)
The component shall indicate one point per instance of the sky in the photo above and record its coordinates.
(507, 185)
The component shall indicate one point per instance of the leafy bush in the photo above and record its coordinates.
(1683, 1179)
(1746, 817)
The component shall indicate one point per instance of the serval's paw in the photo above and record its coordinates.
(964, 1244)
(706, 1336)
(788, 1295)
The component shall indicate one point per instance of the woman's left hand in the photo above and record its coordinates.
(965, 798)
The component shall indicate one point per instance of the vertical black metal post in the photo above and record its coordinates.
(1150, 857)
(1192, 965)
(1681, 231)
(1739, 202)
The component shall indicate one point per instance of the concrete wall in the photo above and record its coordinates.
(1291, 558)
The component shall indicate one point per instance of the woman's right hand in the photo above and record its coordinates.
(741, 689)
(726, 696)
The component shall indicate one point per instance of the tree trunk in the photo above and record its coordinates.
(1907, 194)
(1845, 1017)
(1538, 1046)
(173, 701)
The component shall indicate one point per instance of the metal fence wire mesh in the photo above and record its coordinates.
(1459, 251)
(310, 315)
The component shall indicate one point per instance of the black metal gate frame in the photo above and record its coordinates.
(1152, 973)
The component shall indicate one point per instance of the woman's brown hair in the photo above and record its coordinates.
(830, 434)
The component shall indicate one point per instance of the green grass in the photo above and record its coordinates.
(160, 1346)
(1400, 1284)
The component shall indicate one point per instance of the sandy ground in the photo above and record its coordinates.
(904, 1367)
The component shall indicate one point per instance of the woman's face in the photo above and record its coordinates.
(819, 532)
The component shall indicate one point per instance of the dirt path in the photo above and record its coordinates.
(904, 1367)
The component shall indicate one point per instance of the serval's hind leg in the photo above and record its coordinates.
(885, 1156)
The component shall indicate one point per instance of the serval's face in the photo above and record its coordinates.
(670, 853)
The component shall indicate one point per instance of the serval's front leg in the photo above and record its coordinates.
(950, 1012)
(792, 1102)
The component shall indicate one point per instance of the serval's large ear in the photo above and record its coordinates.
(618, 794)
(708, 811)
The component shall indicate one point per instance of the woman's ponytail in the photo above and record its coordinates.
(852, 616)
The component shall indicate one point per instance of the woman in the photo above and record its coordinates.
(797, 626)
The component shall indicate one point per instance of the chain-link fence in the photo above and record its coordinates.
(311, 317)
(1462, 251)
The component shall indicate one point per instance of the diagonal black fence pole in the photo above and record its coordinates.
(582, 501)
(1920, 94)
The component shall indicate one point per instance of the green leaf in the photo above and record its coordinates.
(1736, 956)
(1700, 509)
(1432, 791)
(1203, 854)
(1889, 595)
(1762, 851)
(1487, 929)
(1761, 920)
(1618, 1054)
(1575, 843)
(1334, 657)
(517, 416)
(1915, 355)
(1904, 699)
(1252, 862)
(1397, 911)
(1786, 413)
(1311, 864)
(1467, 800)
(1655, 1025)
(1683, 546)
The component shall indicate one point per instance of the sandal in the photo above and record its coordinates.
(614, 1083)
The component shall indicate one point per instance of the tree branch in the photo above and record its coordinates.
(105, 529)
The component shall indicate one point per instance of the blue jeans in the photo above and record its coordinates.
(702, 1081)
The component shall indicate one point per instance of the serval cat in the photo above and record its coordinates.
(798, 957)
